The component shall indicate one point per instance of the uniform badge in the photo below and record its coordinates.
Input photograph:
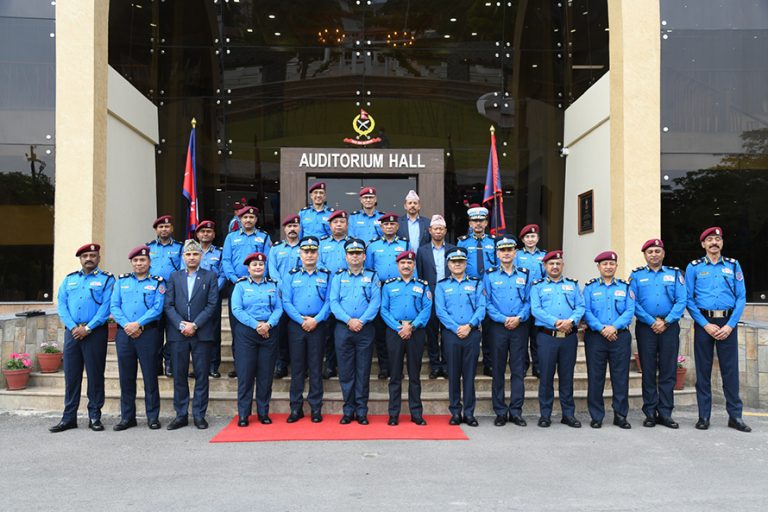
(668, 278)
(469, 288)
(418, 289)
(150, 288)
(96, 283)
(161, 288)
(682, 279)
(726, 270)
(366, 279)
(631, 295)
(567, 288)
(520, 280)
(429, 295)
(620, 293)
(739, 276)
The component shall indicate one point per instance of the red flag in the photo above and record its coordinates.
(189, 189)
(493, 193)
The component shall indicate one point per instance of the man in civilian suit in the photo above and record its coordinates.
(413, 226)
(190, 303)
(432, 266)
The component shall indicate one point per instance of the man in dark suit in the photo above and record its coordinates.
(432, 266)
(413, 226)
(190, 304)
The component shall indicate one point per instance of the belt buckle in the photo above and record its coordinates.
(718, 313)
(560, 334)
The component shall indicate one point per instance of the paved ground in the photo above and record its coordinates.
(497, 469)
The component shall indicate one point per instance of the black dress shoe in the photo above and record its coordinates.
(434, 374)
(383, 375)
(667, 422)
(154, 424)
(124, 425)
(649, 422)
(392, 421)
(571, 421)
(362, 420)
(215, 374)
(177, 423)
(545, 422)
(487, 371)
(265, 419)
(168, 372)
(201, 424)
(191, 375)
(501, 420)
(702, 424)
(317, 417)
(242, 422)
(232, 374)
(95, 425)
(295, 416)
(471, 421)
(621, 422)
(280, 373)
(738, 424)
(455, 420)
(327, 374)
(61, 427)
(518, 420)
(418, 420)
(345, 420)
(596, 424)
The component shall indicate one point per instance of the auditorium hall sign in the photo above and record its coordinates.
(384, 161)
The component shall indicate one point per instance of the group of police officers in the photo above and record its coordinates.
(339, 286)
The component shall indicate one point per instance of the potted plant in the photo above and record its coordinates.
(681, 371)
(49, 357)
(111, 329)
(16, 371)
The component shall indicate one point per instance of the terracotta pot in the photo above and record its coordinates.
(16, 379)
(111, 331)
(637, 362)
(680, 383)
(49, 363)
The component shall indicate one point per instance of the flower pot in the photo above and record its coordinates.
(16, 379)
(49, 362)
(637, 362)
(111, 331)
(680, 382)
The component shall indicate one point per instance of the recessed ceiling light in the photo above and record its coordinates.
(277, 34)
(271, 16)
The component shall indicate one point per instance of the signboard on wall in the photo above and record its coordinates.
(586, 212)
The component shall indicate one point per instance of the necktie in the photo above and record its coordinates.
(480, 266)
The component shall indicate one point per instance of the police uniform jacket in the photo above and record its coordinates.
(556, 300)
(715, 286)
(137, 300)
(658, 294)
(254, 302)
(237, 246)
(307, 294)
(507, 294)
(460, 302)
(608, 304)
(83, 299)
(406, 301)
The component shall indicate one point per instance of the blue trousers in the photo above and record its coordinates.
(704, 347)
(435, 345)
(90, 354)
(283, 349)
(508, 347)
(255, 361)
(131, 353)
(600, 353)
(355, 352)
(200, 350)
(307, 350)
(658, 352)
(461, 356)
(533, 359)
(556, 354)
(413, 349)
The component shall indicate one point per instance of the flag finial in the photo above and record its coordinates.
(194, 122)
(492, 129)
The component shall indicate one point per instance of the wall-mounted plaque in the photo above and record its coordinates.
(586, 212)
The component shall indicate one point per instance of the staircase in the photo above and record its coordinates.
(45, 392)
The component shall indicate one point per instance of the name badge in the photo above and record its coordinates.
(345, 280)
(469, 288)
(96, 283)
(395, 290)
(520, 280)
(597, 294)
(125, 287)
(320, 281)
(567, 288)
(150, 287)
(72, 283)
(235, 241)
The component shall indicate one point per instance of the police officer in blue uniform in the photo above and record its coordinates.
(83, 307)
(333, 258)
(460, 305)
(355, 300)
(557, 305)
(165, 256)
(507, 292)
(530, 257)
(716, 300)
(609, 305)
(481, 255)
(237, 246)
(257, 305)
(660, 300)
(137, 305)
(314, 218)
(406, 305)
(211, 260)
(306, 302)
(364, 223)
(380, 257)
(283, 257)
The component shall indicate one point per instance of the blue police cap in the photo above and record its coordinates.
(457, 253)
(506, 242)
(354, 245)
(309, 243)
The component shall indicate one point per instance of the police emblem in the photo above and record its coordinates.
(363, 124)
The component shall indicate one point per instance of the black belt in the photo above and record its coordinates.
(716, 313)
(152, 325)
(555, 334)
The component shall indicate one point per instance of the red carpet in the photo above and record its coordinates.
(437, 429)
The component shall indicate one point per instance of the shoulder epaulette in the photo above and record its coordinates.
(672, 268)
(374, 240)
(326, 237)
(474, 278)
(355, 212)
(294, 270)
(341, 270)
(320, 269)
(523, 270)
(696, 261)
(107, 273)
(278, 243)
(624, 281)
(730, 260)
(305, 208)
(73, 273)
(391, 280)
(422, 281)
(127, 274)
(444, 279)
(573, 280)
(537, 281)
(638, 269)
(490, 270)
(159, 279)
(151, 242)
(463, 237)
(593, 280)
(331, 209)
(270, 280)
(242, 279)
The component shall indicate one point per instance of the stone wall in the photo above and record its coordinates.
(25, 334)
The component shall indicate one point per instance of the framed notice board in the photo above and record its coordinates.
(586, 212)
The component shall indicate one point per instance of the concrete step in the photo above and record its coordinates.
(224, 403)
(228, 385)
